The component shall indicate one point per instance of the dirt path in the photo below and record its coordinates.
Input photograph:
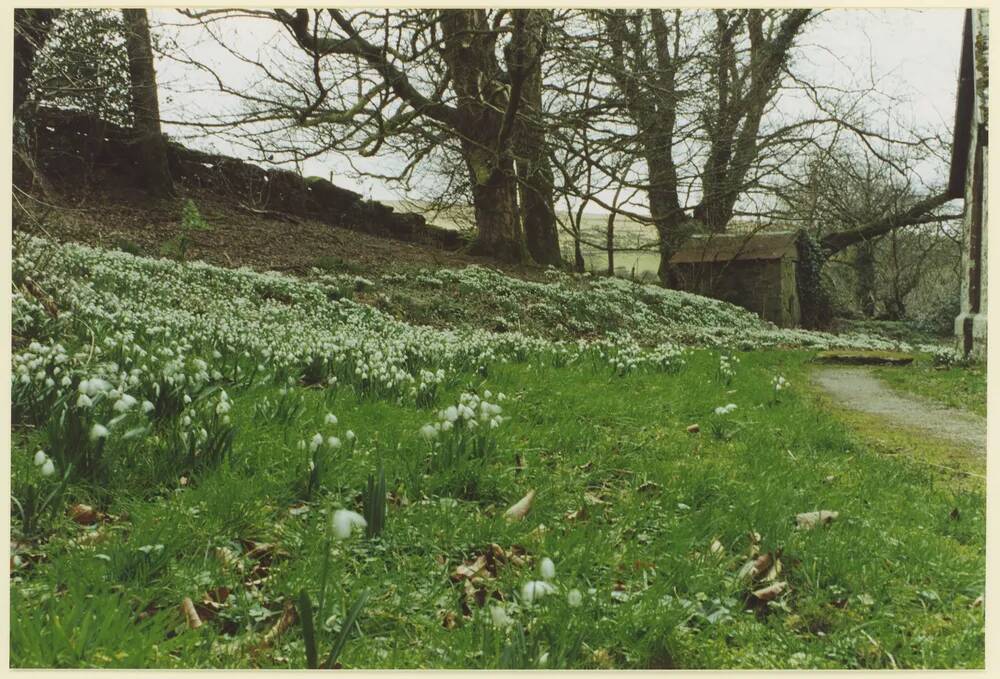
(857, 389)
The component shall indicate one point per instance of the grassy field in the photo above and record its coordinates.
(669, 547)
(956, 386)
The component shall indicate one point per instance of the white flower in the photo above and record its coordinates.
(451, 413)
(98, 431)
(40, 457)
(147, 406)
(349, 435)
(500, 617)
(48, 469)
(331, 418)
(344, 521)
(315, 443)
(84, 401)
(574, 598)
(547, 569)
(535, 589)
(333, 442)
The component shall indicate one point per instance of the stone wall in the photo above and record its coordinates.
(72, 145)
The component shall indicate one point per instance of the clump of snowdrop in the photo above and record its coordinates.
(727, 368)
(534, 590)
(726, 409)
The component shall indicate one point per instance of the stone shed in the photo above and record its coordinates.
(755, 271)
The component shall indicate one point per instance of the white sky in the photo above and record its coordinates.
(911, 54)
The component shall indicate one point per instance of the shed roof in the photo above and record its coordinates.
(724, 247)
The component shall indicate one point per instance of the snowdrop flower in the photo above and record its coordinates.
(40, 458)
(99, 431)
(574, 598)
(124, 403)
(535, 589)
(349, 435)
(500, 617)
(344, 521)
(331, 418)
(48, 469)
(547, 569)
(428, 431)
(315, 443)
(451, 413)
(148, 407)
(84, 401)
(333, 442)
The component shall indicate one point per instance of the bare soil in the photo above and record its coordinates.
(120, 217)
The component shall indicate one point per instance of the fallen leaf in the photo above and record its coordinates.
(299, 509)
(955, 514)
(85, 515)
(770, 593)
(829, 479)
(977, 603)
(190, 614)
(812, 519)
(693, 429)
(287, 619)
(521, 508)
(449, 620)
(587, 466)
(576, 514)
(593, 499)
(649, 487)
(717, 548)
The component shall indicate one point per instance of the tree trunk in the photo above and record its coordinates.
(611, 243)
(668, 217)
(864, 265)
(31, 30)
(541, 232)
(153, 162)
(494, 197)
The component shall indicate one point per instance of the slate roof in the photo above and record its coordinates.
(724, 247)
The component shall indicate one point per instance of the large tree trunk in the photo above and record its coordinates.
(494, 197)
(668, 216)
(533, 167)
(145, 105)
(31, 30)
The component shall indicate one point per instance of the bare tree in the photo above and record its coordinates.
(420, 84)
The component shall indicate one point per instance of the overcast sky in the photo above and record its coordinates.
(911, 54)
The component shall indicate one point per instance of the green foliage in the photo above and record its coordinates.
(307, 622)
(191, 222)
(814, 300)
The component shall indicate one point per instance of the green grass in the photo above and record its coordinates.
(962, 387)
(890, 583)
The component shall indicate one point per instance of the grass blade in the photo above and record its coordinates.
(308, 629)
(345, 630)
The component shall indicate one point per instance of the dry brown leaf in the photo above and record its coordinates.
(85, 515)
(593, 499)
(770, 593)
(717, 548)
(449, 620)
(586, 467)
(649, 487)
(521, 508)
(190, 614)
(693, 429)
(287, 619)
(812, 519)
(576, 514)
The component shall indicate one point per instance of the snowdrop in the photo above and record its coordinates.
(98, 431)
(315, 443)
(40, 458)
(344, 521)
(726, 409)
(536, 589)
(547, 568)
(330, 418)
(500, 617)
(574, 598)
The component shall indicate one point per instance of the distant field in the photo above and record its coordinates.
(629, 236)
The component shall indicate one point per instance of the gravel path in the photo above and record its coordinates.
(858, 389)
